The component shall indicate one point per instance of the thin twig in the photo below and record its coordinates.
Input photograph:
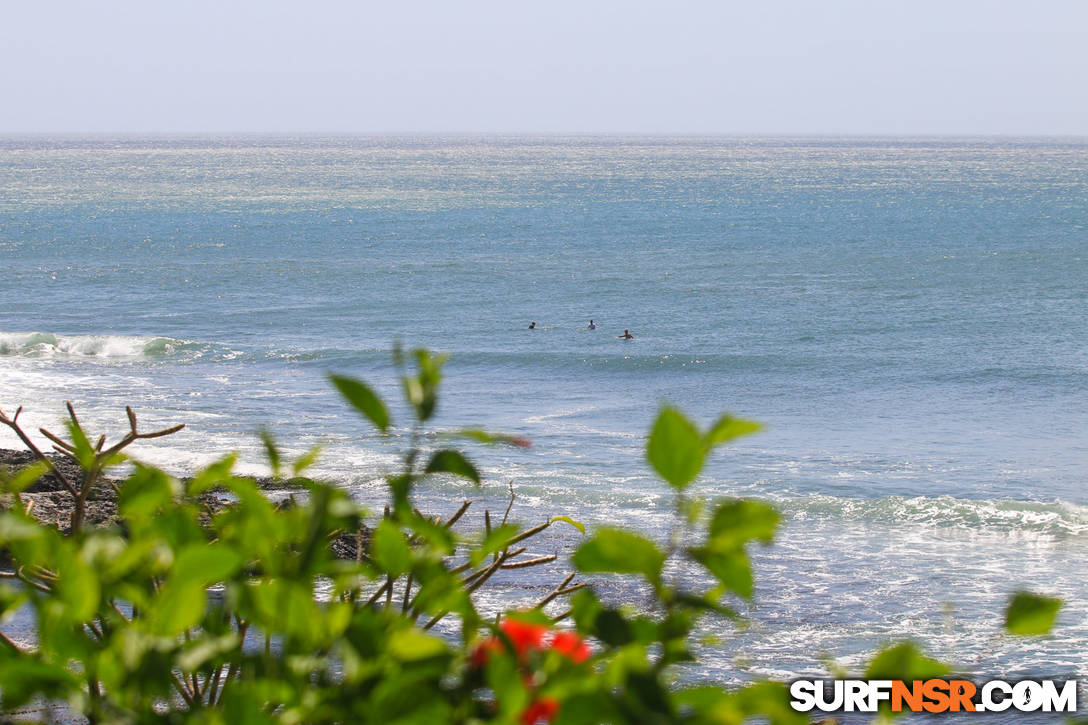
(63, 445)
(481, 578)
(27, 580)
(407, 593)
(216, 695)
(461, 567)
(9, 644)
(555, 592)
(13, 423)
(164, 432)
(72, 414)
(179, 685)
(232, 672)
(528, 533)
(509, 505)
(531, 562)
(486, 574)
(470, 583)
(460, 512)
(564, 615)
(376, 595)
(213, 687)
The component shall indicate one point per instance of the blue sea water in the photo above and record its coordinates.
(906, 316)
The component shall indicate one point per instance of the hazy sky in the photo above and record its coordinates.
(761, 67)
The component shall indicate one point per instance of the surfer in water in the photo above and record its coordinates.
(532, 325)
(626, 335)
(591, 326)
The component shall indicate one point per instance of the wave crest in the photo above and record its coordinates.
(1056, 520)
(43, 344)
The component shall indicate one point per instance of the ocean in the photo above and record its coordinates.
(907, 317)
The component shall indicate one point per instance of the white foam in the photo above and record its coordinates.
(43, 344)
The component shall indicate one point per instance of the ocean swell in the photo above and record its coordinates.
(44, 345)
(1042, 520)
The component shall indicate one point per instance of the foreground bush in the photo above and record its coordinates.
(246, 615)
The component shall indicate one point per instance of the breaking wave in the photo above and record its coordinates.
(43, 344)
(1056, 520)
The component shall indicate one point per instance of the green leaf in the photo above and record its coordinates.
(771, 700)
(183, 599)
(24, 478)
(20, 527)
(390, 550)
(647, 693)
(421, 390)
(364, 400)
(271, 451)
(451, 461)
(708, 602)
(576, 524)
(612, 628)
(493, 542)
(306, 460)
(206, 564)
(77, 583)
(741, 520)
(146, 491)
(1029, 613)
(84, 452)
(214, 475)
(10, 600)
(25, 678)
(482, 436)
(727, 428)
(675, 448)
(411, 644)
(904, 661)
(438, 536)
(620, 552)
(730, 567)
(704, 698)
(202, 650)
(585, 608)
(401, 488)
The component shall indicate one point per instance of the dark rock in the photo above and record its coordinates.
(51, 503)
(349, 544)
(16, 460)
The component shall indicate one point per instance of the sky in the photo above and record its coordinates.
(820, 67)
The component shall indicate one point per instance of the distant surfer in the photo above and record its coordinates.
(532, 325)
(591, 326)
(626, 335)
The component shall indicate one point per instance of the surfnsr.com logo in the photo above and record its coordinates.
(934, 695)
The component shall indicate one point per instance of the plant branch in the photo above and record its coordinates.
(13, 423)
(559, 590)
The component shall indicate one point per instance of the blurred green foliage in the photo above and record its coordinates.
(246, 615)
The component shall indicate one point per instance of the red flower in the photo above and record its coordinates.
(542, 709)
(524, 636)
(527, 637)
(571, 646)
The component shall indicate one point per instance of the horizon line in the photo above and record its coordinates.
(544, 134)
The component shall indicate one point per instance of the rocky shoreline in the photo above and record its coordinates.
(52, 505)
